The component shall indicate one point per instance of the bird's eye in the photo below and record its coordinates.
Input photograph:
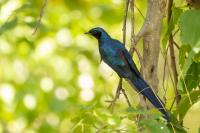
(94, 32)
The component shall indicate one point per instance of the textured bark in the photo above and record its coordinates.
(150, 32)
(153, 22)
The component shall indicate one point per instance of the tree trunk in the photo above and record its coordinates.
(151, 49)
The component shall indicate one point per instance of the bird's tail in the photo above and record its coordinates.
(145, 90)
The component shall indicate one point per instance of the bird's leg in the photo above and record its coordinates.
(117, 94)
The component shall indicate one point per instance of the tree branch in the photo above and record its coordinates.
(119, 88)
(139, 11)
(40, 17)
(177, 46)
(125, 19)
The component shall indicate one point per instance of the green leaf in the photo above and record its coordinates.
(176, 12)
(8, 25)
(155, 126)
(89, 107)
(185, 68)
(89, 118)
(192, 78)
(190, 32)
(137, 111)
(190, 27)
(197, 57)
(184, 50)
(185, 104)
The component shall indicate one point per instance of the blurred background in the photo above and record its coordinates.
(53, 81)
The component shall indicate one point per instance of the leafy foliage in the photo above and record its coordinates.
(189, 21)
(186, 103)
(53, 82)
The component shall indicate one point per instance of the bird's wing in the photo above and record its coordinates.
(126, 57)
(130, 62)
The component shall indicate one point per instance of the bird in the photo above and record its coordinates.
(115, 55)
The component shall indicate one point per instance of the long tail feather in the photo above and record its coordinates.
(143, 88)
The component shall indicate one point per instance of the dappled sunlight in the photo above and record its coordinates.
(85, 82)
(96, 12)
(30, 101)
(84, 66)
(62, 67)
(52, 119)
(17, 125)
(21, 71)
(87, 95)
(7, 93)
(45, 48)
(8, 8)
(104, 68)
(61, 93)
(5, 47)
(63, 37)
(46, 84)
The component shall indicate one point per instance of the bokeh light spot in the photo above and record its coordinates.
(87, 95)
(85, 82)
(84, 63)
(7, 93)
(29, 101)
(63, 37)
(8, 8)
(21, 71)
(96, 12)
(45, 47)
(5, 47)
(46, 84)
(17, 126)
(61, 93)
(52, 119)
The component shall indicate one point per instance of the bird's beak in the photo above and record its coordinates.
(87, 33)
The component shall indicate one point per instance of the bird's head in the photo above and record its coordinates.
(98, 33)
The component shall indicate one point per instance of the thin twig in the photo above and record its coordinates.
(176, 32)
(139, 56)
(144, 30)
(170, 75)
(124, 41)
(174, 100)
(177, 46)
(40, 17)
(139, 11)
(172, 55)
(117, 94)
(174, 69)
(124, 23)
(163, 82)
(126, 97)
(133, 44)
(132, 25)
